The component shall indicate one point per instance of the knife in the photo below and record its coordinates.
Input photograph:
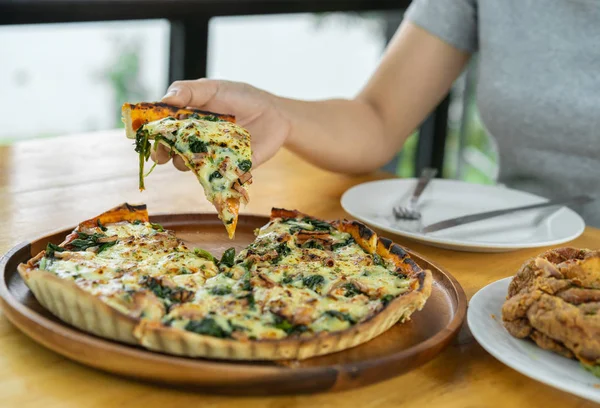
(465, 219)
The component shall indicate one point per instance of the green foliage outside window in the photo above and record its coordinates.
(123, 74)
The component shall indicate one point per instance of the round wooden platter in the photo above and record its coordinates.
(398, 350)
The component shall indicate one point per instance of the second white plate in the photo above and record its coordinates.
(485, 322)
(443, 199)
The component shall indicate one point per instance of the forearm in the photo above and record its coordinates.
(339, 135)
(360, 135)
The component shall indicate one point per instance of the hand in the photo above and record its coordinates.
(255, 110)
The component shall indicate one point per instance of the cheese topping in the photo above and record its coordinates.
(218, 152)
(299, 277)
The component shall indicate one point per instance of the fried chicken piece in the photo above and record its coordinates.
(547, 343)
(554, 299)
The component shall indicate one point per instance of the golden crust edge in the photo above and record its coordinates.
(81, 309)
(127, 121)
(179, 342)
(160, 110)
(68, 302)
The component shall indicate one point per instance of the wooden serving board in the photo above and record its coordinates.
(398, 350)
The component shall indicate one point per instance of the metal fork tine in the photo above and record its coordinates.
(410, 212)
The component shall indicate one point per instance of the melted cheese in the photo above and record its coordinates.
(141, 251)
(278, 286)
(217, 152)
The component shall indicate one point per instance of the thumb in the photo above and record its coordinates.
(191, 93)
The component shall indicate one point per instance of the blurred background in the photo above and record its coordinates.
(77, 75)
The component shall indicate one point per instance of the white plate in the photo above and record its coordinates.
(485, 321)
(372, 203)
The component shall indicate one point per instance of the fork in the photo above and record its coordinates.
(410, 212)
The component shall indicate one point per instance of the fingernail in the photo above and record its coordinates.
(170, 92)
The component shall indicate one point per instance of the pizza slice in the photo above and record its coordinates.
(114, 270)
(211, 145)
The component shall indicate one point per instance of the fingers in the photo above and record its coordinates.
(196, 94)
(179, 163)
(161, 155)
(191, 93)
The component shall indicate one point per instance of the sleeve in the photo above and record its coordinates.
(453, 21)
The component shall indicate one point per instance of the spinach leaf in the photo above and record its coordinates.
(142, 147)
(312, 281)
(171, 295)
(312, 243)
(250, 298)
(204, 254)
(351, 290)
(52, 248)
(85, 241)
(142, 144)
(102, 227)
(342, 244)
(246, 284)
(300, 328)
(167, 141)
(387, 299)
(197, 145)
(245, 165)
(157, 288)
(155, 146)
(235, 327)
(106, 245)
(282, 251)
(215, 175)
(377, 260)
(220, 290)
(228, 257)
(207, 326)
(317, 224)
(282, 324)
(157, 227)
(287, 326)
(340, 315)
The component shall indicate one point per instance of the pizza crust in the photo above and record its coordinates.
(68, 302)
(178, 342)
(73, 305)
(136, 115)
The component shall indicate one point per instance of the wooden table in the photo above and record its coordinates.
(51, 184)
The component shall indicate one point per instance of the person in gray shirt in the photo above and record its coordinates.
(538, 93)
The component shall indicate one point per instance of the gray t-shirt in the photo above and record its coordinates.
(538, 88)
